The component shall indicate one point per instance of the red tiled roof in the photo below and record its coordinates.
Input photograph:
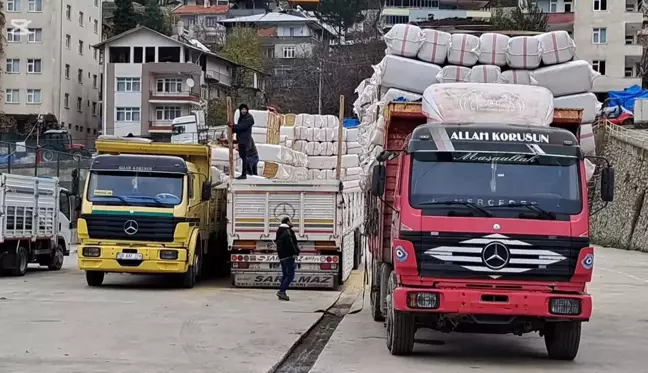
(267, 32)
(560, 18)
(199, 9)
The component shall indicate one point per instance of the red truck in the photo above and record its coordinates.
(481, 228)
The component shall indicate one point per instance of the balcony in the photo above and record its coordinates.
(606, 83)
(184, 97)
(219, 77)
(560, 21)
(635, 50)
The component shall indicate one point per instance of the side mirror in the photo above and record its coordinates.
(607, 184)
(206, 191)
(77, 203)
(378, 180)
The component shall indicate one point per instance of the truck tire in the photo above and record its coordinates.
(189, 277)
(562, 339)
(94, 278)
(357, 250)
(401, 326)
(21, 263)
(374, 297)
(56, 261)
(385, 274)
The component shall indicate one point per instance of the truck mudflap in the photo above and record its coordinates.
(577, 306)
(272, 279)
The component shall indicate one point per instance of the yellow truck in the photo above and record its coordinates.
(148, 208)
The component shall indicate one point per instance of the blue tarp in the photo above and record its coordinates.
(350, 123)
(626, 98)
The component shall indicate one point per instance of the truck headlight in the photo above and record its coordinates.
(93, 252)
(565, 306)
(423, 300)
(169, 254)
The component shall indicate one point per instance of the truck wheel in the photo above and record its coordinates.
(21, 263)
(376, 312)
(94, 278)
(401, 327)
(385, 274)
(56, 261)
(357, 250)
(562, 339)
(189, 277)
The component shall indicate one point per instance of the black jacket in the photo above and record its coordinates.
(243, 129)
(286, 242)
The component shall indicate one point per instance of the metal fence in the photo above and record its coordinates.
(16, 158)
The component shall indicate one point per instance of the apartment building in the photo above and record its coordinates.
(50, 65)
(200, 19)
(404, 11)
(151, 79)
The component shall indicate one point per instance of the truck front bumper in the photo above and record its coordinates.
(482, 302)
(150, 262)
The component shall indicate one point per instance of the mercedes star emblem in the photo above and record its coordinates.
(284, 209)
(131, 227)
(496, 256)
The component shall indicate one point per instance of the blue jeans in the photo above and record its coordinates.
(288, 272)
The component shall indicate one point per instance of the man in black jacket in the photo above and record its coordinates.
(287, 250)
(243, 130)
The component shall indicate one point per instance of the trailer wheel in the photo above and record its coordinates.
(189, 277)
(21, 263)
(562, 339)
(376, 311)
(401, 326)
(94, 278)
(56, 261)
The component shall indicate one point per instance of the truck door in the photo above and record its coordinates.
(65, 216)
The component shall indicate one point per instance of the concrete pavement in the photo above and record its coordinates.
(53, 322)
(614, 341)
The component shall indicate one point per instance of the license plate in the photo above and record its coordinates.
(129, 256)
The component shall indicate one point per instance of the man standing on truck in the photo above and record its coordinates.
(253, 158)
(243, 130)
(287, 250)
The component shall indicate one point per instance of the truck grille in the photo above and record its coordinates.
(511, 257)
(148, 228)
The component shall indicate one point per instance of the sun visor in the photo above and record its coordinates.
(459, 103)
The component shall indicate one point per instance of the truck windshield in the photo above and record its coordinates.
(135, 188)
(486, 180)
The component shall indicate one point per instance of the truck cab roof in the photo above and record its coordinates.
(139, 162)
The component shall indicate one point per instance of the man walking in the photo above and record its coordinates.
(287, 250)
(243, 130)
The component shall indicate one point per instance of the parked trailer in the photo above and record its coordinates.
(327, 219)
(34, 225)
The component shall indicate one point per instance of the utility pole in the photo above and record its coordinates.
(319, 95)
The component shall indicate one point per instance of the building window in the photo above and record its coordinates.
(81, 19)
(128, 84)
(128, 114)
(94, 108)
(34, 66)
(79, 104)
(629, 39)
(629, 72)
(211, 21)
(599, 35)
(35, 6)
(288, 52)
(96, 26)
(12, 96)
(68, 12)
(169, 85)
(68, 41)
(568, 6)
(13, 65)
(81, 47)
(189, 21)
(13, 35)
(67, 71)
(94, 54)
(66, 101)
(13, 5)
(94, 80)
(553, 6)
(600, 5)
(80, 76)
(33, 96)
(394, 20)
(167, 112)
(35, 35)
(599, 66)
(96, 3)
(269, 53)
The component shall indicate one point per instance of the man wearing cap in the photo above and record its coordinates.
(287, 250)
(243, 130)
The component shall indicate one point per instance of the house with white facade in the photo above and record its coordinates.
(150, 79)
(200, 20)
(404, 11)
(50, 67)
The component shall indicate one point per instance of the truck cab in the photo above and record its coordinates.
(143, 210)
(483, 228)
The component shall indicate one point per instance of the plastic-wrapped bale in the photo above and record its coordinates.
(278, 171)
(275, 153)
(300, 173)
(348, 161)
(305, 120)
(261, 117)
(463, 50)
(435, 47)
(300, 159)
(523, 77)
(453, 74)
(557, 47)
(485, 74)
(586, 101)
(488, 103)
(300, 146)
(492, 49)
(388, 95)
(327, 121)
(288, 131)
(407, 74)
(289, 120)
(353, 173)
(587, 141)
(352, 134)
(303, 133)
(326, 148)
(313, 148)
(567, 78)
(523, 52)
(404, 40)
(347, 148)
(259, 135)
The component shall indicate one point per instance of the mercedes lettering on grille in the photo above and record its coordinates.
(131, 227)
(496, 255)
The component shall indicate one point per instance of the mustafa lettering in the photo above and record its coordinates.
(500, 136)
